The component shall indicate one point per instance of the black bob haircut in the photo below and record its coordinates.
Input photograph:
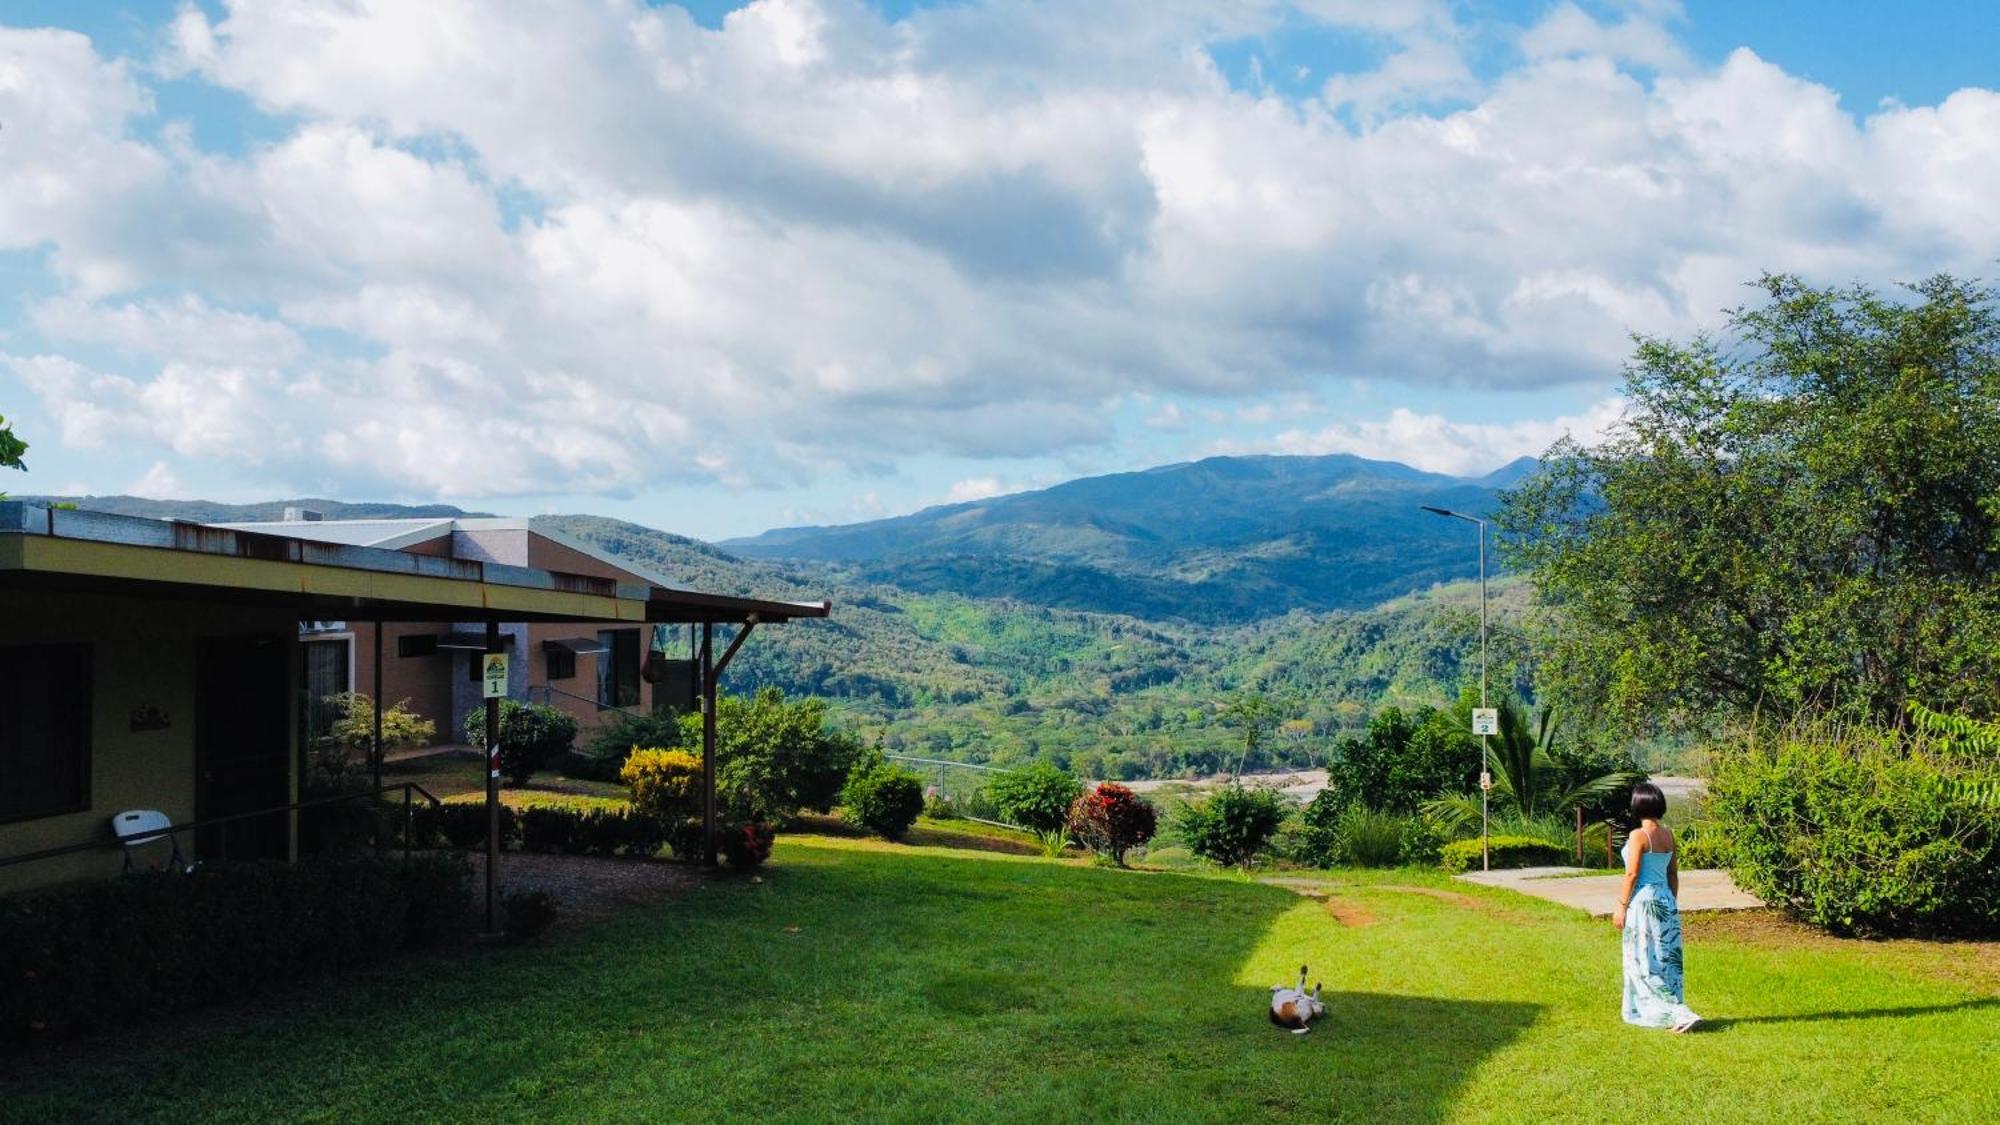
(1648, 803)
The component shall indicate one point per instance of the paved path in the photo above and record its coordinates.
(1598, 894)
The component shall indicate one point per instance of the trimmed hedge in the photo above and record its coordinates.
(882, 798)
(1507, 852)
(594, 832)
(100, 953)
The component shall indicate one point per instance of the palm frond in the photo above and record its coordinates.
(1453, 814)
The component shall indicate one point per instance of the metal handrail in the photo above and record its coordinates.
(407, 788)
(553, 690)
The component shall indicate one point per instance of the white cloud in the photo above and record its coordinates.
(631, 250)
(976, 488)
(158, 481)
(1437, 443)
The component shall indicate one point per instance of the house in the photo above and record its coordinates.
(155, 664)
(590, 670)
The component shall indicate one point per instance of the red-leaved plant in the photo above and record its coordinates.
(1111, 820)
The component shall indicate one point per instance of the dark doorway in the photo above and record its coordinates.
(242, 745)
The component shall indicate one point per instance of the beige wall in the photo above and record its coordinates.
(142, 654)
(423, 680)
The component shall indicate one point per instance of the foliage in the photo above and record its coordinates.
(103, 953)
(460, 824)
(1231, 826)
(1037, 797)
(1803, 515)
(747, 845)
(1862, 830)
(601, 832)
(339, 757)
(532, 736)
(883, 798)
(665, 783)
(1404, 758)
(604, 754)
(775, 757)
(1334, 835)
(1533, 775)
(11, 450)
(1252, 714)
(1112, 820)
(1505, 852)
(525, 914)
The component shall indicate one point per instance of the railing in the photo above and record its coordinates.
(408, 789)
(550, 691)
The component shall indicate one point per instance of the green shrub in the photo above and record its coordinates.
(1232, 826)
(663, 782)
(1036, 798)
(1507, 852)
(99, 953)
(747, 845)
(526, 913)
(775, 757)
(1862, 831)
(1354, 836)
(601, 832)
(938, 806)
(1704, 844)
(882, 798)
(532, 737)
(457, 824)
(604, 754)
(1316, 839)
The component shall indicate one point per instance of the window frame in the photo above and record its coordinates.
(85, 657)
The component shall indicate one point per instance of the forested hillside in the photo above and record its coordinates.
(1223, 540)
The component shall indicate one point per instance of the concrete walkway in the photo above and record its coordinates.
(1598, 894)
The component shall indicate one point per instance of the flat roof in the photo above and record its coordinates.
(67, 549)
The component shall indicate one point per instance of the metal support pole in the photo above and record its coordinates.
(1485, 754)
(708, 694)
(492, 786)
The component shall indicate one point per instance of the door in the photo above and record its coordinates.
(242, 745)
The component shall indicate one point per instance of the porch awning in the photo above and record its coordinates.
(578, 646)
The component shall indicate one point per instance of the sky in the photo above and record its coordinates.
(723, 267)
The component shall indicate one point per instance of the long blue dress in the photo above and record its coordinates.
(1653, 991)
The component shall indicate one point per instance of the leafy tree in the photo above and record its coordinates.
(1232, 826)
(1404, 759)
(1533, 776)
(775, 757)
(532, 737)
(1252, 714)
(1036, 798)
(1805, 514)
(1112, 820)
(11, 450)
(349, 740)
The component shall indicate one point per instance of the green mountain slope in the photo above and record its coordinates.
(1227, 539)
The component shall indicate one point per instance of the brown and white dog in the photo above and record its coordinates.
(1294, 1008)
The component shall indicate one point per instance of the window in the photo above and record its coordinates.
(618, 668)
(417, 644)
(562, 662)
(44, 730)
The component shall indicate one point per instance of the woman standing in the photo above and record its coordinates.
(1651, 919)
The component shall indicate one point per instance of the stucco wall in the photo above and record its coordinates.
(142, 655)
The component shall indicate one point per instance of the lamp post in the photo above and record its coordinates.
(1485, 776)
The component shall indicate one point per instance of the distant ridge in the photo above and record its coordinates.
(1217, 540)
(210, 511)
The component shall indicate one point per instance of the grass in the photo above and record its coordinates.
(867, 980)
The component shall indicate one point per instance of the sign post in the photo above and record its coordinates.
(493, 669)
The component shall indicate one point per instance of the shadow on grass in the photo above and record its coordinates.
(1725, 1023)
(864, 983)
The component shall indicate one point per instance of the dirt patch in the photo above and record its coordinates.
(1349, 914)
(1438, 893)
(588, 888)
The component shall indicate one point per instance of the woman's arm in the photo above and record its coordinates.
(1632, 860)
(1674, 873)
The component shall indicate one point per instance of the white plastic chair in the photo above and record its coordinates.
(138, 827)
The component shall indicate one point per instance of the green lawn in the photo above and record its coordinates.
(868, 981)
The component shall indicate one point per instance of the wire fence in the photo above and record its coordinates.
(962, 785)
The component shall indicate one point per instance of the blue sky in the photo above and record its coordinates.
(726, 267)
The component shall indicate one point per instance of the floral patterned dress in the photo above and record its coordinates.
(1652, 936)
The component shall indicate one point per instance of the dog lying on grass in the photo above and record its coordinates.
(1294, 1008)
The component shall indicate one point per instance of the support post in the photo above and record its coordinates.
(708, 694)
(1485, 755)
(375, 744)
(492, 787)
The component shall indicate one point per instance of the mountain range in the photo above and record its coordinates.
(1226, 539)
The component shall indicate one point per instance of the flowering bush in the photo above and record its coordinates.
(1111, 820)
(747, 845)
(663, 782)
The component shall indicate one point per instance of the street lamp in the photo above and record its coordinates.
(1485, 755)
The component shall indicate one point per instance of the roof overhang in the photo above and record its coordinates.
(677, 606)
(89, 552)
